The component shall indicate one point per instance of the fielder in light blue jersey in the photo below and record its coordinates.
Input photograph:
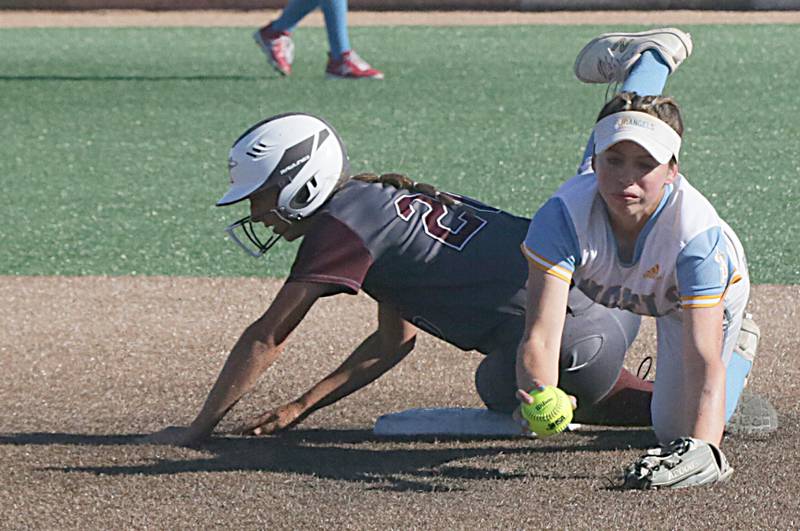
(632, 233)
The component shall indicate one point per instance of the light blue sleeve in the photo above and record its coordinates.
(552, 243)
(703, 267)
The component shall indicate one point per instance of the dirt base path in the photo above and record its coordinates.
(10, 19)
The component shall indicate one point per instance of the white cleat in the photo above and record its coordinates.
(607, 58)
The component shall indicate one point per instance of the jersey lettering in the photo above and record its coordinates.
(623, 298)
(433, 219)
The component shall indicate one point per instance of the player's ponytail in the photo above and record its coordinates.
(402, 182)
(662, 107)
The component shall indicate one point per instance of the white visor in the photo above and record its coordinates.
(658, 138)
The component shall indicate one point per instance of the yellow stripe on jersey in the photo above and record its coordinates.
(707, 305)
(702, 301)
(700, 297)
(547, 266)
(709, 301)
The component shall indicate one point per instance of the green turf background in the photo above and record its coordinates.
(114, 141)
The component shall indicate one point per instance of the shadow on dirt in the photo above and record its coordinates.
(349, 455)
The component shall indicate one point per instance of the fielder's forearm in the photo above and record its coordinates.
(706, 402)
(534, 362)
(704, 375)
(538, 353)
(249, 358)
(366, 364)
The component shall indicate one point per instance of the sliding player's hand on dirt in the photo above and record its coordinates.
(273, 421)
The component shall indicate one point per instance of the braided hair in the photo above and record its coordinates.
(402, 182)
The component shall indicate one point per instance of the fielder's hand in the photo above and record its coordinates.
(525, 398)
(272, 421)
(684, 462)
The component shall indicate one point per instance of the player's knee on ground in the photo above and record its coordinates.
(593, 348)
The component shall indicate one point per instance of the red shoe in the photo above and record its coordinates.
(278, 47)
(350, 66)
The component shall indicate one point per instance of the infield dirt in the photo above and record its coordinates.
(90, 363)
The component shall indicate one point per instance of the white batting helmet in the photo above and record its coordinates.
(300, 153)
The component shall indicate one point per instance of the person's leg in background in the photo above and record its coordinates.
(275, 39)
(343, 62)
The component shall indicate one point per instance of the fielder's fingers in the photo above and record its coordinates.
(524, 428)
(516, 416)
(524, 397)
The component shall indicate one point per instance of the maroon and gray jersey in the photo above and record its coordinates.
(454, 271)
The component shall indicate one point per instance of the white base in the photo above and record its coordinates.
(452, 421)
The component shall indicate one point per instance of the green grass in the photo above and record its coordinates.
(114, 141)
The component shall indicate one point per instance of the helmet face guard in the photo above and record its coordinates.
(251, 243)
(300, 154)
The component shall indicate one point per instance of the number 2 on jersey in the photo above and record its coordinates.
(434, 212)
